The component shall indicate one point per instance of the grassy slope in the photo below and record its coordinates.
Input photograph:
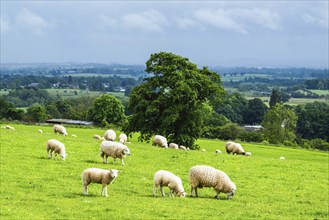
(34, 187)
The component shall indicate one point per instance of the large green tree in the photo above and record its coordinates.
(255, 111)
(107, 110)
(170, 101)
(280, 124)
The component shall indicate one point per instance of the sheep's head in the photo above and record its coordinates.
(181, 194)
(114, 173)
(126, 151)
(232, 192)
(63, 156)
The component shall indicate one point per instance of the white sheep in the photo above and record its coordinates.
(55, 147)
(248, 154)
(96, 175)
(123, 138)
(218, 151)
(114, 150)
(166, 178)
(8, 127)
(161, 141)
(234, 148)
(206, 176)
(96, 136)
(60, 129)
(282, 158)
(173, 145)
(40, 131)
(110, 135)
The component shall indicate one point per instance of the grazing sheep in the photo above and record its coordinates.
(55, 147)
(234, 148)
(173, 145)
(96, 175)
(40, 131)
(282, 158)
(206, 176)
(123, 138)
(60, 129)
(110, 135)
(8, 127)
(182, 147)
(166, 178)
(160, 141)
(96, 136)
(218, 151)
(114, 150)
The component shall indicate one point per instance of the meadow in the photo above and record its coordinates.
(35, 187)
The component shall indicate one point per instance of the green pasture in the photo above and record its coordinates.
(35, 187)
(103, 75)
(320, 92)
(72, 93)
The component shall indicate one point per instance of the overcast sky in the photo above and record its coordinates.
(214, 33)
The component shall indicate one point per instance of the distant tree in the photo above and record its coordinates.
(107, 107)
(313, 120)
(36, 113)
(70, 80)
(171, 101)
(279, 124)
(255, 111)
(229, 131)
(275, 97)
(9, 111)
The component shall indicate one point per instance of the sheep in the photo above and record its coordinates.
(40, 131)
(73, 135)
(123, 138)
(218, 151)
(205, 176)
(114, 150)
(55, 147)
(8, 127)
(60, 129)
(166, 178)
(96, 175)
(173, 145)
(96, 136)
(234, 148)
(248, 154)
(110, 135)
(282, 158)
(160, 141)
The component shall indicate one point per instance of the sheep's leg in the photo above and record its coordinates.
(196, 192)
(85, 189)
(104, 191)
(154, 190)
(49, 154)
(114, 160)
(161, 190)
(191, 191)
(106, 159)
(122, 162)
(217, 196)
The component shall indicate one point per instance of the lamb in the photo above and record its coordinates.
(60, 129)
(166, 178)
(8, 127)
(248, 154)
(40, 131)
(96, 175)
(110, 135)
(160, 141)
(114, 150)
(96, 136)
(206, 176)
(234, 148)
(182, 147)
(123, 138)
(218, 151)
(55, 147)
(173, 145)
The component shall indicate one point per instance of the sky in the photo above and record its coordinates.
(210, 33)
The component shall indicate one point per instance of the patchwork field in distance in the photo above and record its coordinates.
(35, 187)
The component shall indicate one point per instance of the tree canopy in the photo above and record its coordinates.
(170, 101)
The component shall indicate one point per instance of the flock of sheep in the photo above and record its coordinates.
(199, 176)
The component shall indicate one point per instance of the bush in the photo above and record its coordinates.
(229, 132)
(289, 144)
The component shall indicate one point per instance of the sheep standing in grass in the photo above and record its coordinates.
(96, 175)
(60, 129)
(161, 141)
(110, 135)
(55, 147)
(173, 145)
(206, 176)
(234, 148)
(166, 178)
(123, 138)
(114, 150)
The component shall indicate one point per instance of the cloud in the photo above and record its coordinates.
(32, 22)
(4, 25)
(239, 19)
(320, 19)
(185, 23)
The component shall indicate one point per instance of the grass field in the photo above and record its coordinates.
(35, 187)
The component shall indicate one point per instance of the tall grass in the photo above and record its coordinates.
(35, 187)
